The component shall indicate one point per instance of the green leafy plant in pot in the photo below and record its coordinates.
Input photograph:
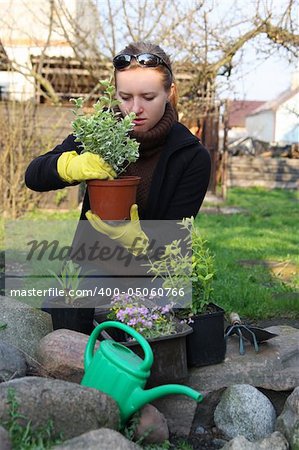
(70, 310)
(106, 133)
(181, 263)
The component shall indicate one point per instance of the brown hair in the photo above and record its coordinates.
(147, 47)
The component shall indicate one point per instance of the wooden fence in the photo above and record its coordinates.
(248, 171)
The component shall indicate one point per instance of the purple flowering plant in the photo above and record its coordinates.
(142, 314)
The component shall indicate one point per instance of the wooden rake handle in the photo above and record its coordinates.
(234, 318)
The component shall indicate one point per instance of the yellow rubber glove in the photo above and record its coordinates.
(72, 167)
(129, 235)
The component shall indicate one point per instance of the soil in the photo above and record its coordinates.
(209, 440)
(266, 323)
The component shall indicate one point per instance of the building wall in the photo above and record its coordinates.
(24, 31)
(261, 126)
(27, 23)
(287, 121)
(235, 133)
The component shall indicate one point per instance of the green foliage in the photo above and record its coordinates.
(105, 132)
(60, 196)
(24, 437)
(203, 272)
(182, 444)
(3, 326)
(264, 230)
(39, 215)
(184, 261)
(130, 429)
(173, 266)
(163, 446)
(69, 280)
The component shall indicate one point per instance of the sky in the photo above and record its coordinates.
(262, 80)
(256, 75)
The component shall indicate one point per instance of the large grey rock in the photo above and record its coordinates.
(73, 409)
(288, 421)
(5, 443)
(276, 441)
(98, 439)
(275, 366)
(204, 416)
(152, 426)
(61, 355)
(179, 411)
(244, 410)
(12, 362)
(26, 326)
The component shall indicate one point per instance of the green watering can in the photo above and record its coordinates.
(120, 373)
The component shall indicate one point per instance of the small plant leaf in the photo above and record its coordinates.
(105, 132)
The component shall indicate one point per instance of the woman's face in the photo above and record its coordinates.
(141, 91)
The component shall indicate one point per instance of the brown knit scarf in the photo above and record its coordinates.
(151, 146)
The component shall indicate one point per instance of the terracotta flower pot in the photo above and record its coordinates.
(112, 199)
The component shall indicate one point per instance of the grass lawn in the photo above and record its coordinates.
(265, 231)
(256, 251)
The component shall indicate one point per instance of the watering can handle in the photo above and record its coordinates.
(148, 354)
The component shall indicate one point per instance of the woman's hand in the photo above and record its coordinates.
(72, 167)
(129, 235)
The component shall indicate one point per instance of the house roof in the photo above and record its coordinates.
(273, 105)
(3, 58)
(239, 109)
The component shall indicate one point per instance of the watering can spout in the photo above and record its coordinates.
(141, 397)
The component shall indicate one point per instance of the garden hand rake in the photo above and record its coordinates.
(253, 334)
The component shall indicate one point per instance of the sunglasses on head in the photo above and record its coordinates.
(144, 59)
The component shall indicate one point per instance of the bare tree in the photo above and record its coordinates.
(204, 37)
(213, 43)
(18, 138)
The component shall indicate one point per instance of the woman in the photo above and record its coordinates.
(173, 165)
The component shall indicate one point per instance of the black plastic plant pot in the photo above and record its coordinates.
(100, 316)
(77, 318)
(170, 357)
(206, 345)
(2, 273)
